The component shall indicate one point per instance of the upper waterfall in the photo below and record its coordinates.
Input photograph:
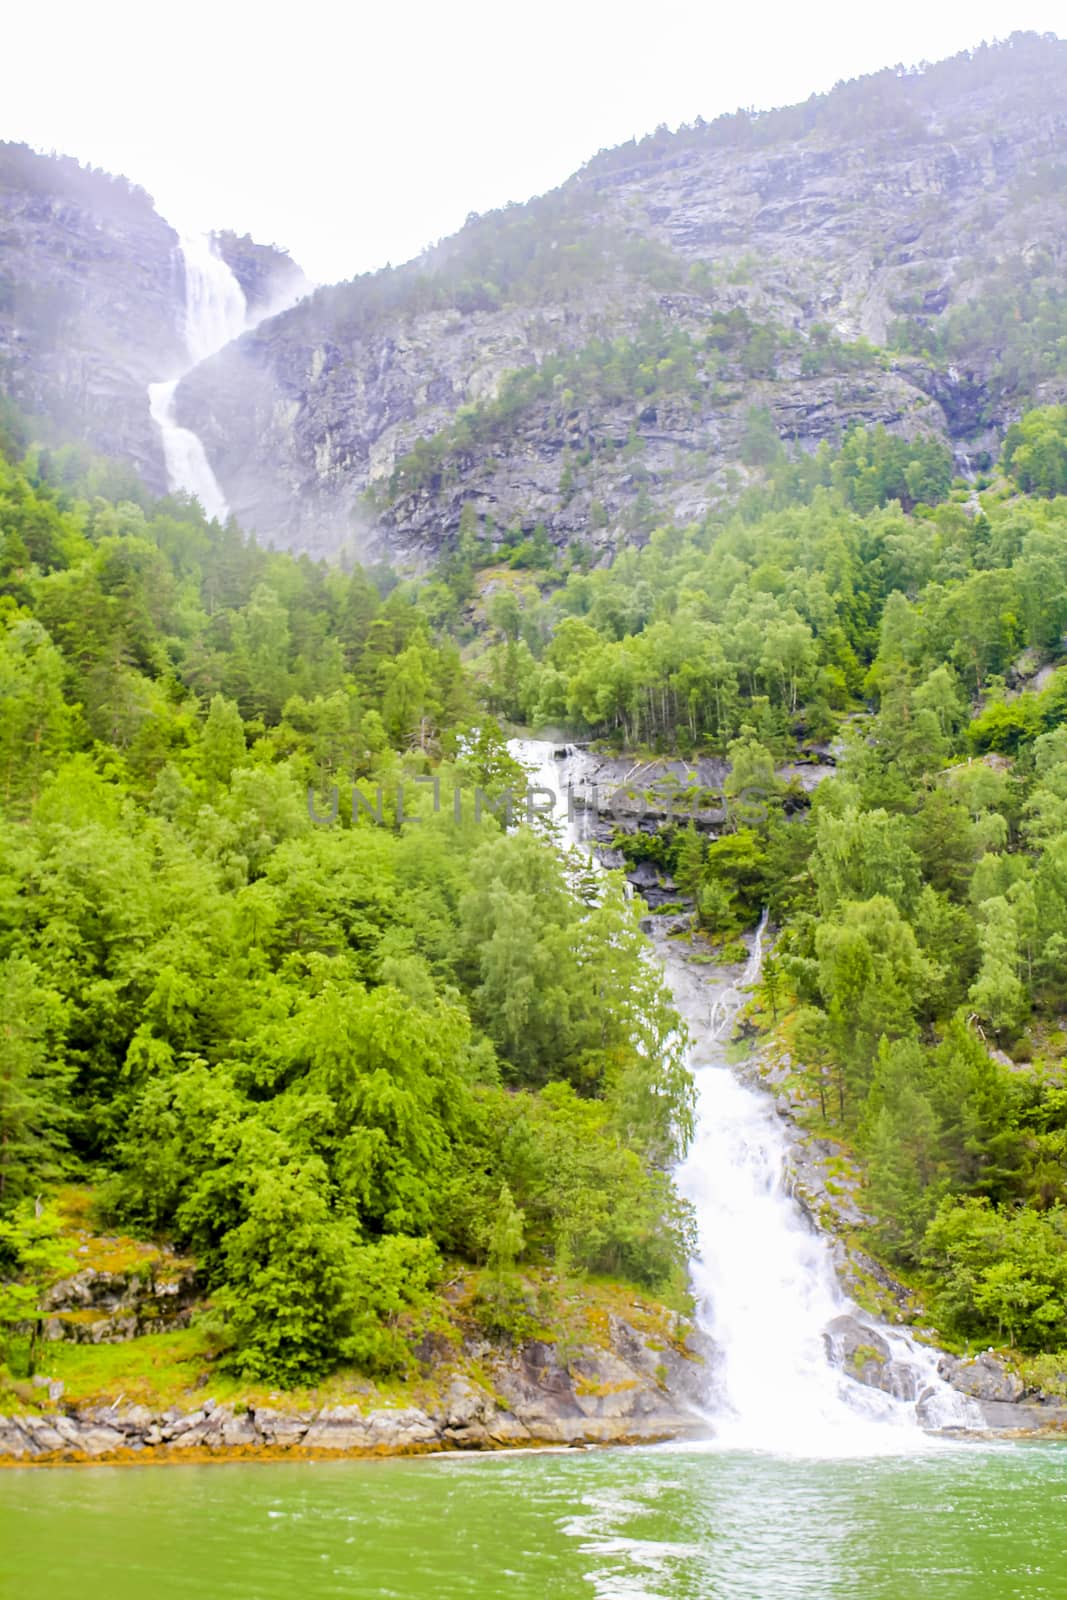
(215, 306)
(215, 313)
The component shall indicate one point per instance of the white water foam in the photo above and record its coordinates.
(763, 1276)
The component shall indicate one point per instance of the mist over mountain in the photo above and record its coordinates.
(93, 302)
(891, 252)
(626, 350)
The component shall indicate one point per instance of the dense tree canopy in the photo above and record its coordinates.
(316, 1054)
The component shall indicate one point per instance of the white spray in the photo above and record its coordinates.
(763, 1277)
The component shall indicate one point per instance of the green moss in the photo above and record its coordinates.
(863, 1355)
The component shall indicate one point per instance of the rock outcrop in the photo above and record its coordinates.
(109, 1307)
(269, 277)
(983, 1377)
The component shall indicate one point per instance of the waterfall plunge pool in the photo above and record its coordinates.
(970, 1522)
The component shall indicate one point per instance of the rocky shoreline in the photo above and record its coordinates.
(627, 1387)
(633, 1390)
(468, 1419)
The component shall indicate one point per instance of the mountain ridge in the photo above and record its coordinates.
(624, 351)
(819, 237)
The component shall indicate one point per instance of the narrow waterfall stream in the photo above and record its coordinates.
(763, 1277)
(215, 313)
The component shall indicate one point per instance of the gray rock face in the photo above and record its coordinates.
(97, 1307)
(828, 219)
(268, 276)
(866, 1356)
(91, 304)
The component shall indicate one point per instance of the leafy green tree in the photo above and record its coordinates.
(1001, 1272)
(997, 993)
(499, 1290)
(1035, 451)
(35, 1104)
(37, 726)
(689, 862)
(32, 1256)
(222, 742)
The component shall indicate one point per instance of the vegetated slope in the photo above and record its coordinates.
(888, 253)
(324, 1057)
(327, 1057)
(919, 979)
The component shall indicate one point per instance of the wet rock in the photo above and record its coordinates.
(983, 1377)
(862, 1352)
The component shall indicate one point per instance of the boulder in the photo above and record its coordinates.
(983, 1377)
(281, 1428)
(861, 1352)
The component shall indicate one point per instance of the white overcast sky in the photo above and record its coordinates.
(356, 134)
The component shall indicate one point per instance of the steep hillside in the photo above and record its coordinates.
(890, 252)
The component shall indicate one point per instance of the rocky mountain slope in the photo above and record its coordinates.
(888, 253)
(92, 301)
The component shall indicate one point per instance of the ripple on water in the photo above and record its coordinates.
(969, 1523)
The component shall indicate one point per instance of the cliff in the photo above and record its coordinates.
(91, 304)
(269, 277)
(672, 310)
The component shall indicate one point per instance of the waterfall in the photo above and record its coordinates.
(763, 1277)
(215, 313)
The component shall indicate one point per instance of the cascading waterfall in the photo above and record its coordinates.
(763, 1277)
(215, 313)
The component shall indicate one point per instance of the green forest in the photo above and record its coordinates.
(324, 1059)
(921, 890)
(330, 1060)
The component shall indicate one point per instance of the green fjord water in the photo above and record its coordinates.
(967, 1523)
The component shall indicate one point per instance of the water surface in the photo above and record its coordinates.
(961, 1523)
